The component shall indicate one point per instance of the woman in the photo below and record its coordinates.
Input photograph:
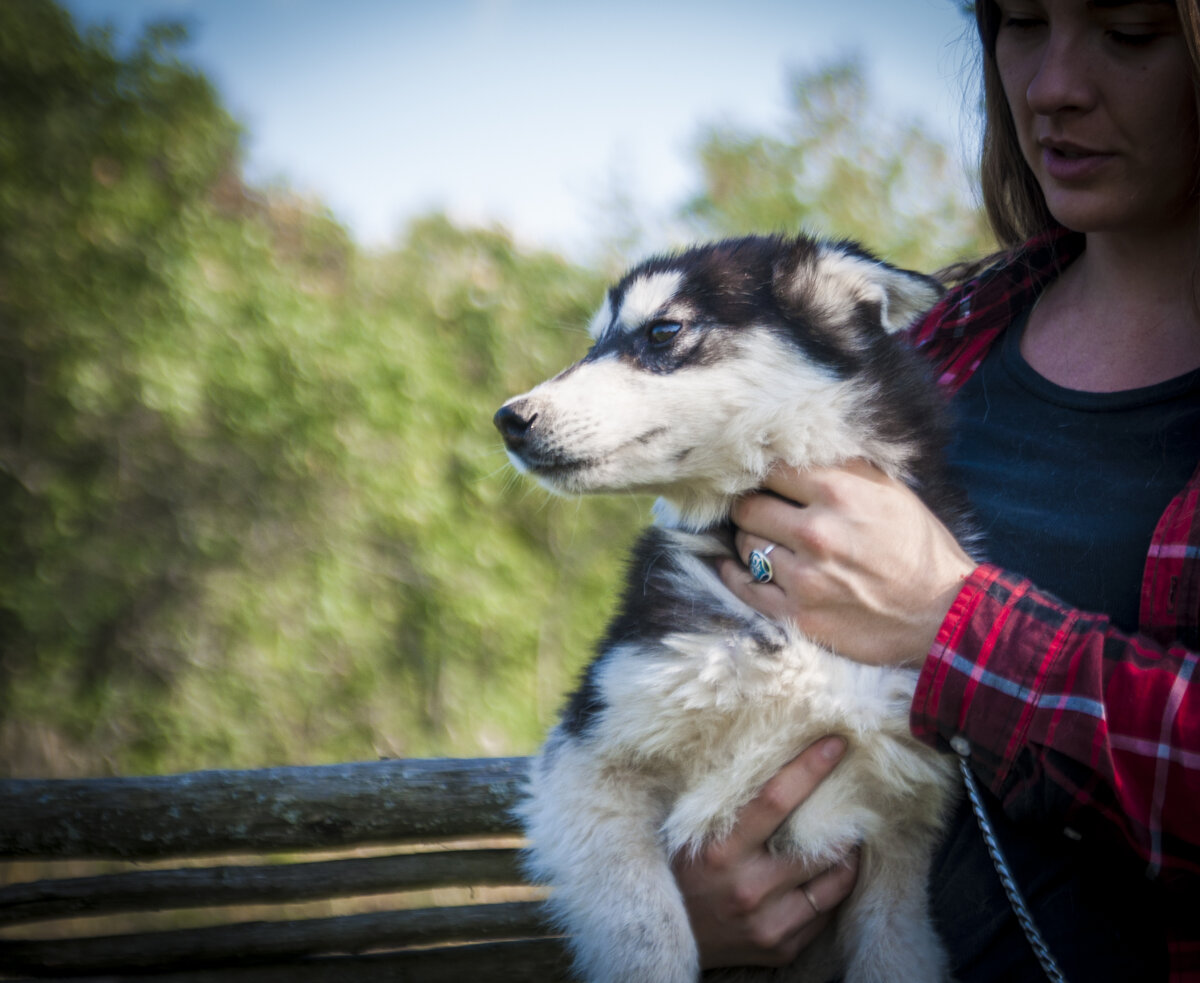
(1075, 368)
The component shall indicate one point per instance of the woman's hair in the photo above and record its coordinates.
(1016, 207)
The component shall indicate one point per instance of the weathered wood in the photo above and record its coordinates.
(264, 811)
(156, 890)
(272, 811)
(521, 961)
(264, 941)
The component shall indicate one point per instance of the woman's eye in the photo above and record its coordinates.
(1132, 38)
(663, 332)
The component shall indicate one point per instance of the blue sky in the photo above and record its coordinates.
(531, 112)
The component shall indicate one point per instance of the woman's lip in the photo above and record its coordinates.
(1068, 163)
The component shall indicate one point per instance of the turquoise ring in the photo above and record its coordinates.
(760, 567)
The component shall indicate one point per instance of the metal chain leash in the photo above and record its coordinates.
(1042, 951)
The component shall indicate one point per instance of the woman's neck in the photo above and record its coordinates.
(1124, 315)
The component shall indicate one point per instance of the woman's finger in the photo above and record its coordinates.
(783, 793)
(768, 599)
(790, 927)
(831, 887)
(765, 516)
(807, 910)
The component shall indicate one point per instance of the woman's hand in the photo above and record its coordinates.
(860, 563)
(750, 907)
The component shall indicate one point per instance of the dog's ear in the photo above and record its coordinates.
(906, 295)
(827, 280)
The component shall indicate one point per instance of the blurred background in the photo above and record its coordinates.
(267, 268)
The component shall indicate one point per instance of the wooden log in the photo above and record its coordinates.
(520, 961)
(159, 890)
(271, 941)
(261, 811)
(540, 960)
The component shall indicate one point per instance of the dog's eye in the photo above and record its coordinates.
(663, 332)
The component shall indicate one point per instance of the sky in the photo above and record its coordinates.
(532, 113)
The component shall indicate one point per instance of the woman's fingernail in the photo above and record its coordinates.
(832, 748)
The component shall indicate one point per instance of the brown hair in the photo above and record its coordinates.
(1016, 207)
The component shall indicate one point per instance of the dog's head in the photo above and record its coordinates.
(710, 365)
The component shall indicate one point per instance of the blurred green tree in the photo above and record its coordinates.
(104, 162)
(253, 506)
(841, 167)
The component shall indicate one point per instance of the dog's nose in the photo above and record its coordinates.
(513, 423)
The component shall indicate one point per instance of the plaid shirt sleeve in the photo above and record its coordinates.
(1066, 719)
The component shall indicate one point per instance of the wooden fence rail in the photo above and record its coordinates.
(441, 819)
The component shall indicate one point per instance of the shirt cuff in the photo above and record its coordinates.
(966, 701)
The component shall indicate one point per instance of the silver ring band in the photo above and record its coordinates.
(811, 900)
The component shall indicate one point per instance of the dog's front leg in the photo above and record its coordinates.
(888, 933)
(594, 832)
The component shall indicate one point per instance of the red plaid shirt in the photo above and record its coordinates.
(1043, 693)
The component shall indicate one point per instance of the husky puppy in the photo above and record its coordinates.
(709, 367)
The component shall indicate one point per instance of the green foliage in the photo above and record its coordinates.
(252, 508)
(840, 168)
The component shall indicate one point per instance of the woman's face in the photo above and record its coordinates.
(1104, 109)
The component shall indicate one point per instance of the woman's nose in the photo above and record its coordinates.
(1063, 78)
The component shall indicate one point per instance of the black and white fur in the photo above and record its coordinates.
(709, 367)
